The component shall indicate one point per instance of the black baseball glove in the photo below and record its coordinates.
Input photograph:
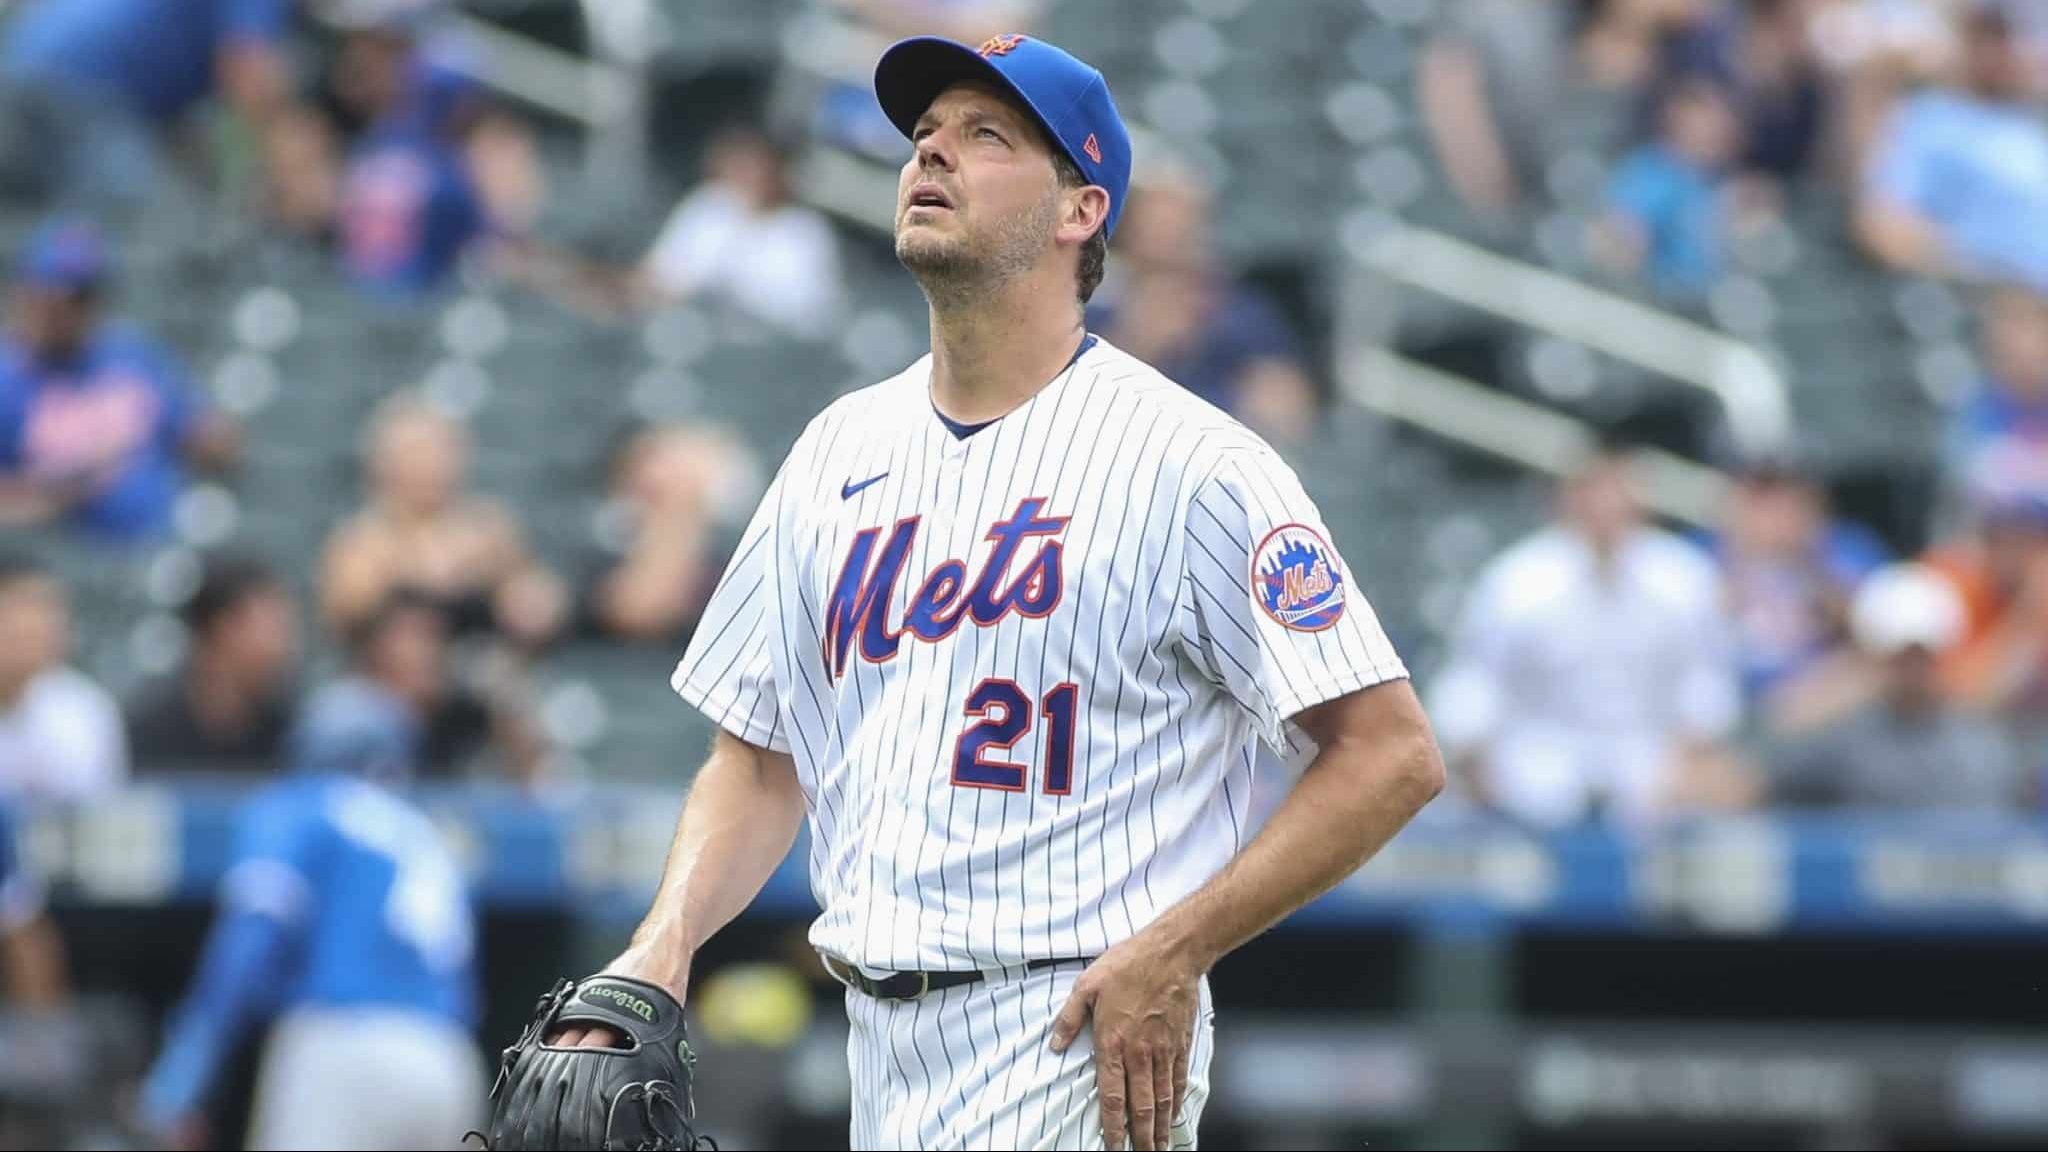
(632, 1097)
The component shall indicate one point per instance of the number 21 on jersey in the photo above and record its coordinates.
(1005, 715)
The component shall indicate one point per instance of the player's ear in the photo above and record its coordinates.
(1084, 211)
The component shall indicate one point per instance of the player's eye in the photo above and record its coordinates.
(920, 132)
(987, 133)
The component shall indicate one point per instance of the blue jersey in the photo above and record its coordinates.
(113, 420)
(408, 209)
(342, 896)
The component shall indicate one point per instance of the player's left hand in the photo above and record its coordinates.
(1142, 998)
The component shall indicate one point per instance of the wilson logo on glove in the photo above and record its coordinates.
(623, 999)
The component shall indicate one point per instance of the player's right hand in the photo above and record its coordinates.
(641, 964)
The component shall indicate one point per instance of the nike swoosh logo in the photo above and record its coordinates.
(847, 490)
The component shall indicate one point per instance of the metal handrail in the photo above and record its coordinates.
(1744, 380)
(1513, 429)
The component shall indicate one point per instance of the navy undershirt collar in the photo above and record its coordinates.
(963, 431)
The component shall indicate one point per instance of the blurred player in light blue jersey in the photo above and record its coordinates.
(345, 915)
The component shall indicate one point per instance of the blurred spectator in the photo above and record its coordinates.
(390, 63)
(739, 237)
(408, 211)
(1668, 205)
(228, 708)
(409, 204)
(33, 952)
(1780, 88)
(1173, 305)
(423, 531)
(1760, 54)
(1916, 36)
(672, 490)
(346, 920)
(1958, 181)
(1872, 50)
(1999, 441)
(1592, 676)
(1788, 571)
(1910, 749)
(123, 72)
(97, 421)
(1508, 88)
(303, 181)
(2000, 571)
(481, 725)
(60, 733)
(847, 113)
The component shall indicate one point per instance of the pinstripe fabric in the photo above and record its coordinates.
(1103, 536)
(1045, 1099)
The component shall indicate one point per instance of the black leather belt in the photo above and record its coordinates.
(911, 985)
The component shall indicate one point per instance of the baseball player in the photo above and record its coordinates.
(345, 917)
(1005, 630)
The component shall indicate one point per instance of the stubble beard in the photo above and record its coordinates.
(973, 265)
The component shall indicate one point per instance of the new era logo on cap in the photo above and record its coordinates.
(1093, 149)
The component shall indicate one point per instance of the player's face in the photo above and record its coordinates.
(262, 634)
(2016, 340)
(1601, 502)
(980, 195)
(408, 655)
(52, 322)
(419, 462)
(36, 626)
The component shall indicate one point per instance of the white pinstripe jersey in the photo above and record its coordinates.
(1021, 673)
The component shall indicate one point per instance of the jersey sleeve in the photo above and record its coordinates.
(265, 901)
(728, 670)
(1268, 608)
(276, 848)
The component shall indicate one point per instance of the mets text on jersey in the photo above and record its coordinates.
(864, 590)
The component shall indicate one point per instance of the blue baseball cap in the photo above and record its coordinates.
(354, 728)
(64, 254)
(1067, 97)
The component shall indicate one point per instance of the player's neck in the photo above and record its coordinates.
(992, 354)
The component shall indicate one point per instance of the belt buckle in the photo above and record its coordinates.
(924, 985)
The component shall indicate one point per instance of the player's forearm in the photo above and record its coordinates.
(737, 826)
(1377, 767)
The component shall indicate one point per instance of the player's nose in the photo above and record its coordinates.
(934, 152)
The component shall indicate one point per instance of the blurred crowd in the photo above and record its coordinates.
(1607, 665)
(1609, 668)
(386, 157)
(1699, 117)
